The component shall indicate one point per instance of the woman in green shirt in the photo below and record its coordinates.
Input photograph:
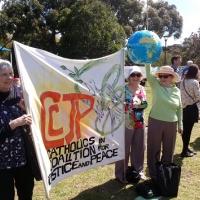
(165, 115)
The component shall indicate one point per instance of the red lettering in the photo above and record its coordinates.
(55, 97)
(75, 117)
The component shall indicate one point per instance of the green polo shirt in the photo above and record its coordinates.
(166, 101)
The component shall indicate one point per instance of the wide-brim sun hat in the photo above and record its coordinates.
(168, 70)
(132, 69)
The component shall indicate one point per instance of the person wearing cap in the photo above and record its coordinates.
(135, 103)
(165, 115)
(185, 69)
(189, 62)
(190, 94)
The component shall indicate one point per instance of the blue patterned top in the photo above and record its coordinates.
(12, 149)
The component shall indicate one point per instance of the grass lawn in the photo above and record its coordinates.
(99, 183)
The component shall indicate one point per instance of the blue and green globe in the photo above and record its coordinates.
(144, 47)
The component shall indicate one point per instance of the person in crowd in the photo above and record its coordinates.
(176, 63)
(185, 69)
(189, 63)
(190, 94)
(135, 103)
(165, 115)
(15, 171)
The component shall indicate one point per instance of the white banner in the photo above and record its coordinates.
(77, 110)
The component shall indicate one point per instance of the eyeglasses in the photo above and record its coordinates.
(165, 76)
(135, 74)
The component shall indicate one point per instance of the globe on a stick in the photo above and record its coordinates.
(144, 47)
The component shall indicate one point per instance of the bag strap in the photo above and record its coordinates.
(187, 92)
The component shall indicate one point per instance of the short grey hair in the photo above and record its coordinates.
(5, 63)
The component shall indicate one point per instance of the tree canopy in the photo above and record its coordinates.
(84, 28)
(191, 48)
(93, 30)
(161, 18)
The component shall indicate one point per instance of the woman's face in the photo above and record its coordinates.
(135, 77)
(6, 78)
(166, 79)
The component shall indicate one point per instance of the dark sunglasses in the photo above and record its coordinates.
(165, 76)
(135, 74)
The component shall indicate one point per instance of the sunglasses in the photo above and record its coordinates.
(165, 76)
(135, 74)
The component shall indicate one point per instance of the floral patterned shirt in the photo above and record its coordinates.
(134, 107)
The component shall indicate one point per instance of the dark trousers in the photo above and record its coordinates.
(187, 130)
(190, 116)
(21, 178)
(161, 135)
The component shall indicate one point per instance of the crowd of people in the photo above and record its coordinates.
(175, 107)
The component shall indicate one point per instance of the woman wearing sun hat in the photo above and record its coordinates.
(164, 117)
(135, 103)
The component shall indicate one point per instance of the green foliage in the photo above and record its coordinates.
(27, 23)
(84, 28)
(191, 48)
(92, 31)
(128, 12)
(163, 18)
(161, 61)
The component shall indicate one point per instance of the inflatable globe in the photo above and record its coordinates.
(144, 47)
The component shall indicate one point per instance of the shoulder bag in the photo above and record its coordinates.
(31, 156)
(190, 112)
(168, 178)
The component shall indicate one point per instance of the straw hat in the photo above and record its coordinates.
(168, 70)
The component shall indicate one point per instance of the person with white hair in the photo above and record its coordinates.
(189, 62)
(135, 103)
(185, 69)
(165, 115)
(15, 171)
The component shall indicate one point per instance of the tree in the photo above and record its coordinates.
(128, 12)
(38, 22)
(34, 22)
(85, 28)
(162, 17)
(93, 31)
(191, 48)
